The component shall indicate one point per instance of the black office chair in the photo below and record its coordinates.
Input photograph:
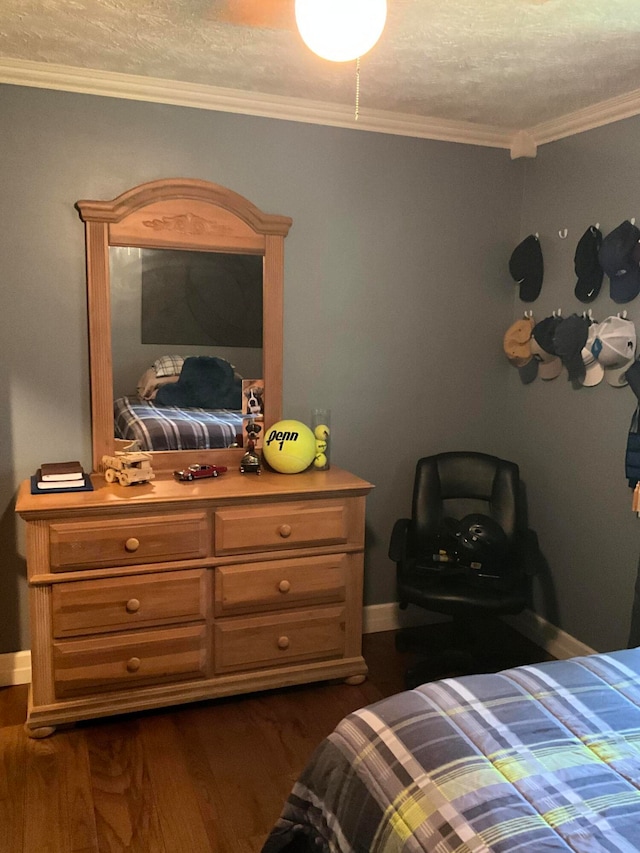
(448, 487)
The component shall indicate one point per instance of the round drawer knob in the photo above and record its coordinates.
(133, 664)
(132, 544)
(133, 605)
(285, 530)
(284, 586)
(283, 643)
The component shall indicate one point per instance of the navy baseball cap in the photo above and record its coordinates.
(526, 268)
(616, 258)
(569, 338)
(587, 265)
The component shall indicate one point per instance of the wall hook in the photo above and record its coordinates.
(597, 225)
(562, 234)
(558, 312)
(633, 220)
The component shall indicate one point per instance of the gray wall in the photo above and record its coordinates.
(396, 301)
(571, 443)
(395, 292)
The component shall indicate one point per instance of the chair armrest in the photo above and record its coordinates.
(398, 543)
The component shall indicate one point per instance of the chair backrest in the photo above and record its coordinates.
(458, 483)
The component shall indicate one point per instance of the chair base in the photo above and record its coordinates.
(462, 646)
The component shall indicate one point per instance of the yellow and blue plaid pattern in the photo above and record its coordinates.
(535, 759)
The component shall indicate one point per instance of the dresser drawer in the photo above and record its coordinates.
(123, 541)
(117, 661)
(242, 530)
(115, 604)
(280, 584)
(252, 643)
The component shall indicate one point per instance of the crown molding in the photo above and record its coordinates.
(131, 87)
(598, 115)
(520, 142)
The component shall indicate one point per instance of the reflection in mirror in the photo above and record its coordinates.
(167, 302)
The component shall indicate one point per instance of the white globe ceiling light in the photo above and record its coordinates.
(341, 30)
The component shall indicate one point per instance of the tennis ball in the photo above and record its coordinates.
(321, 431)
(321, 445)
(320, 461)
(289, 447)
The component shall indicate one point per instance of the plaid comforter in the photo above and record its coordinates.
(171, 428)
(538, 758)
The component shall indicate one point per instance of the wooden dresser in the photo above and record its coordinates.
(168, 592)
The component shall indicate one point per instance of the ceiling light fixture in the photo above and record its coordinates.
(340, 30)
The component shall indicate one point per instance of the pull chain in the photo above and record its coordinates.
(357, 88)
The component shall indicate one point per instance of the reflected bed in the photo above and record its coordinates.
(172, 428)
(536, 758)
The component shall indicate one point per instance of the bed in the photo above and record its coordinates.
(182, 403)
(539, 758)
(175, 428)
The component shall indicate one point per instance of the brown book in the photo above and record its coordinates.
(59, 472)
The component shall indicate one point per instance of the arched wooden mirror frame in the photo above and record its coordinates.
(190, 214)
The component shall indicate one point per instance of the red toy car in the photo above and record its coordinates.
(199, 472)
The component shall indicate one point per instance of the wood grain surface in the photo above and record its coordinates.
(204, 778)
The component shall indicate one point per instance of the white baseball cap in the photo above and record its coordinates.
(594, 371)
(614, 346)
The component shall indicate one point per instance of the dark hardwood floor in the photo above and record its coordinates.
(193, 779)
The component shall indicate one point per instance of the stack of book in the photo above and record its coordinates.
(60, 477)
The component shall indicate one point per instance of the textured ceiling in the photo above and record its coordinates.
(502, 63)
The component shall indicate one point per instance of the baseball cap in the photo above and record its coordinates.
(569, 339)
(587, 265)
(614, 346)
(542, 349)
(517, 348)
(594, 371)
(526, 268)
(616, 256)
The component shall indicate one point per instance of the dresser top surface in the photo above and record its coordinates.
(230, 486)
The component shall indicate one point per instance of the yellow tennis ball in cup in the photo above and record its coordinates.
(320, 461)
(322, 431)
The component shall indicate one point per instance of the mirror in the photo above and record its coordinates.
(185, 297)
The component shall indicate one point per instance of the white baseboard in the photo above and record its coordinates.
(389, 617)
(15, 667)
(554, 640)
